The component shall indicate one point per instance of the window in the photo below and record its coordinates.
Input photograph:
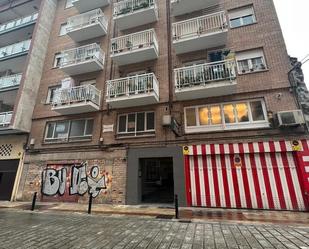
(136, 123)
(63, 29)
(242, 16)
(87, 82)
(250, 61)
(57, 60)
(69, 4)
(51, 93)
(226, 116)
(67, 131)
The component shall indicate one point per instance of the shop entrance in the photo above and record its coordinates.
(8, 169)
(157, 180)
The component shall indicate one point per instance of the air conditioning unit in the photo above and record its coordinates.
(290, 118)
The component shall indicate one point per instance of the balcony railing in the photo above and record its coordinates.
(78, 94)
(87, 19)
(204, 74)
(15, 49)
(17, 23)
(135, 41)
(82, 54)
(199, 26)
(10, 81)
(130, 6)
(5, 118)
(134, 85)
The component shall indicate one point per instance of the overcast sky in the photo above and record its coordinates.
(294, 20)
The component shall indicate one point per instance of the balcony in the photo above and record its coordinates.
(87, 5)
(75, 100)
(14, 50)
(134, 48)
(180, 7)
(137, 90)
(87, 26)
(85, 59)
(200, 33)
(9, 82)
(5, 118)
(133, 13)
(205, 80)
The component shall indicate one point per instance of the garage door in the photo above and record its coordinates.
(244, 175)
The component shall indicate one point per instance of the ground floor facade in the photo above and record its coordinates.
(271, 175)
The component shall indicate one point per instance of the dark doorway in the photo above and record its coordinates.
(8, 169)
(157, 180)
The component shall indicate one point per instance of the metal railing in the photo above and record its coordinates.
(15, 49)
(204, 74)
(16, 23)
(199, 26)
(133, 85)
(10, 81)
(77, 94)
(89, 18)
(134, 41)
(5, 118)
(82, 54)
(130, 6)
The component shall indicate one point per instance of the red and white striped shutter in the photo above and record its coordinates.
(266, 176)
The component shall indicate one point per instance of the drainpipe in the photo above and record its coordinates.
(169, 53)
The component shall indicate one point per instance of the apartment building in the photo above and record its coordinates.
(144, 99)
(24, 33)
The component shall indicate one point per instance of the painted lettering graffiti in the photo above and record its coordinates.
(54, 181)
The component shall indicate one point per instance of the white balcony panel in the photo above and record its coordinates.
(134, 48)
(139, 90)
(10, 81)
(13, 50)
(133, 13)
(86, 5)
(180, 7)
(85, 59)
(75, 100)
(87, 26)
(200, 33)
(5, 118)
(205, 80)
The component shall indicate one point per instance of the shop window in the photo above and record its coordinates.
(134, 124)
(226, 116)
(242, 16)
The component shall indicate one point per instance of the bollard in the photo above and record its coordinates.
(33, 201)
(176, 207)
(90, 204)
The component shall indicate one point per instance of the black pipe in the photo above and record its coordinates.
(34, 201)
(90, 204)
(176, 207)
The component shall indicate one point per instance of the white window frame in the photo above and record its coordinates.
(48, 98)
(248, 56)
(136, 133)
(68, 138)
(240, 13)
(225, 126)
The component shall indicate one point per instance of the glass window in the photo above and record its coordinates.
(131, 122)
(62, 130)
(248, 20)
(250, 60)
(77, 128)
(190, 116)
(235, 22)
(150, 121)
(242, 16)
(243, 66)
(204, 115)
(257, 111)
(51, 93)
(229, 114)
(122, 123)
(242, 112)
(50, 130)
(140, 126)
(257, 63)
(89, 127)
(216, 117)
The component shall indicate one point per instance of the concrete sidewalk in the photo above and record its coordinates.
(168, 212)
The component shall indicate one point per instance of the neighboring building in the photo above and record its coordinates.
(140, 100)
(24, 33)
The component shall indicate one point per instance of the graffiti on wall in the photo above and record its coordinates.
(54, 181)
